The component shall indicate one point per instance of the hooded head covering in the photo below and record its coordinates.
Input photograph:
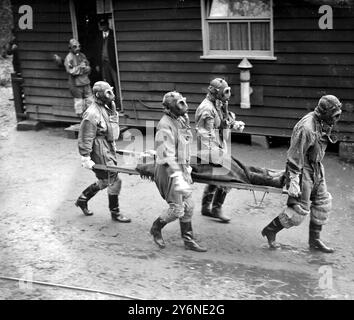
(219, 89)
(74, 45)
(103, 92)
(329, 109)
(175, 103)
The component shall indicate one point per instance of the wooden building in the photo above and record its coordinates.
(181, 45)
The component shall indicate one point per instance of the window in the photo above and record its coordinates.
(237, 28)
(104, 6)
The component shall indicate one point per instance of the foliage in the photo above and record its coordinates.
(5, 71)
(6, 24)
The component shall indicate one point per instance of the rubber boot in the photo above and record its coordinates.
(218, 201)
(86, 195)
(207, 200)
(113, 203)
(315, 242)
(155, 231)
(187, 236)
(270, 232)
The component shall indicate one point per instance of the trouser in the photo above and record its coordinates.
(209, 195)
(110, 75)
(314, 200)
(180, 206)
(83, 98)
(113, 184)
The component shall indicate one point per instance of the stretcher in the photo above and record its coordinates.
(230, 184)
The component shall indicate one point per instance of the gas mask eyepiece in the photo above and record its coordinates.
(182, 106)
(219, 89)
(337, 116)
(226, 94)
(109, 95)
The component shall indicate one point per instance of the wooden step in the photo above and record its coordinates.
(346, 151)
(72, 132)
(27, 125)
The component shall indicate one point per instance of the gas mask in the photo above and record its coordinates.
(226, 94)
(74, 46)
(332, 120)
(103, 92)
(108, 96)
(176, 103)
(329, 111)
(328, 127)
(219, 89)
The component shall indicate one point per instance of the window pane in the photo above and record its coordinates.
(239, 36)
(260, 36)
(103, 6)
(218, 36)
(219, 8)
(250, 8)
(240, 8)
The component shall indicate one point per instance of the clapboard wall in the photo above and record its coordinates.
(160, 44)
(159, 47)
(47, 97)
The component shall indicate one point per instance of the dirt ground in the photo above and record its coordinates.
(44, 237)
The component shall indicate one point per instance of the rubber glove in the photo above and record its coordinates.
(181, 185)
(87, 163)
(294, 185)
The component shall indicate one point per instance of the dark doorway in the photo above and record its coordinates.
(88, 14)
(87, 27)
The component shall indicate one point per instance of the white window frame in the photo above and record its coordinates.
(234, 54)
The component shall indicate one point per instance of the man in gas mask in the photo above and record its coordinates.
(306, 177)
(213, 124)
(98, 133)
(78, 68)
(172, 170)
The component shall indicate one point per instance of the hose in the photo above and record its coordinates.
(42, 283)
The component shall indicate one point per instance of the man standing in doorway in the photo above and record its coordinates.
(106, 64)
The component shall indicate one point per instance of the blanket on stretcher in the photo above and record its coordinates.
(234, 171)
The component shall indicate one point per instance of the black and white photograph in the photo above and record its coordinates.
(191, 151)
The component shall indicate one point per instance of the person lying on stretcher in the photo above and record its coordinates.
(237, 172)
(214, 123)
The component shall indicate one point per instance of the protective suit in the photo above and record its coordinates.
(172, 170)
(306, 176)
(213, 123)
(78, 68)
(99, 130)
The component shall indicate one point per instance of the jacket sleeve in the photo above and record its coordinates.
(166, 148)
(70, 68)
(207, 132)
(211, 150)
(87, 134)
(301, 141)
